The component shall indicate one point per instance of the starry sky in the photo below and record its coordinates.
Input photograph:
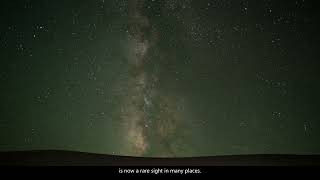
(151, 78)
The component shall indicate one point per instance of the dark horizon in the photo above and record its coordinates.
(72, 158)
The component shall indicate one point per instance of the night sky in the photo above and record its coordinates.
(173, 78)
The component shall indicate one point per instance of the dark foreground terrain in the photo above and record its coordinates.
(69, 158)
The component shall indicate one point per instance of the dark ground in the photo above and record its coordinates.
(69, 158)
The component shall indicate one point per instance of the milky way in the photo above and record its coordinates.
(151, 117)
(133, 112)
